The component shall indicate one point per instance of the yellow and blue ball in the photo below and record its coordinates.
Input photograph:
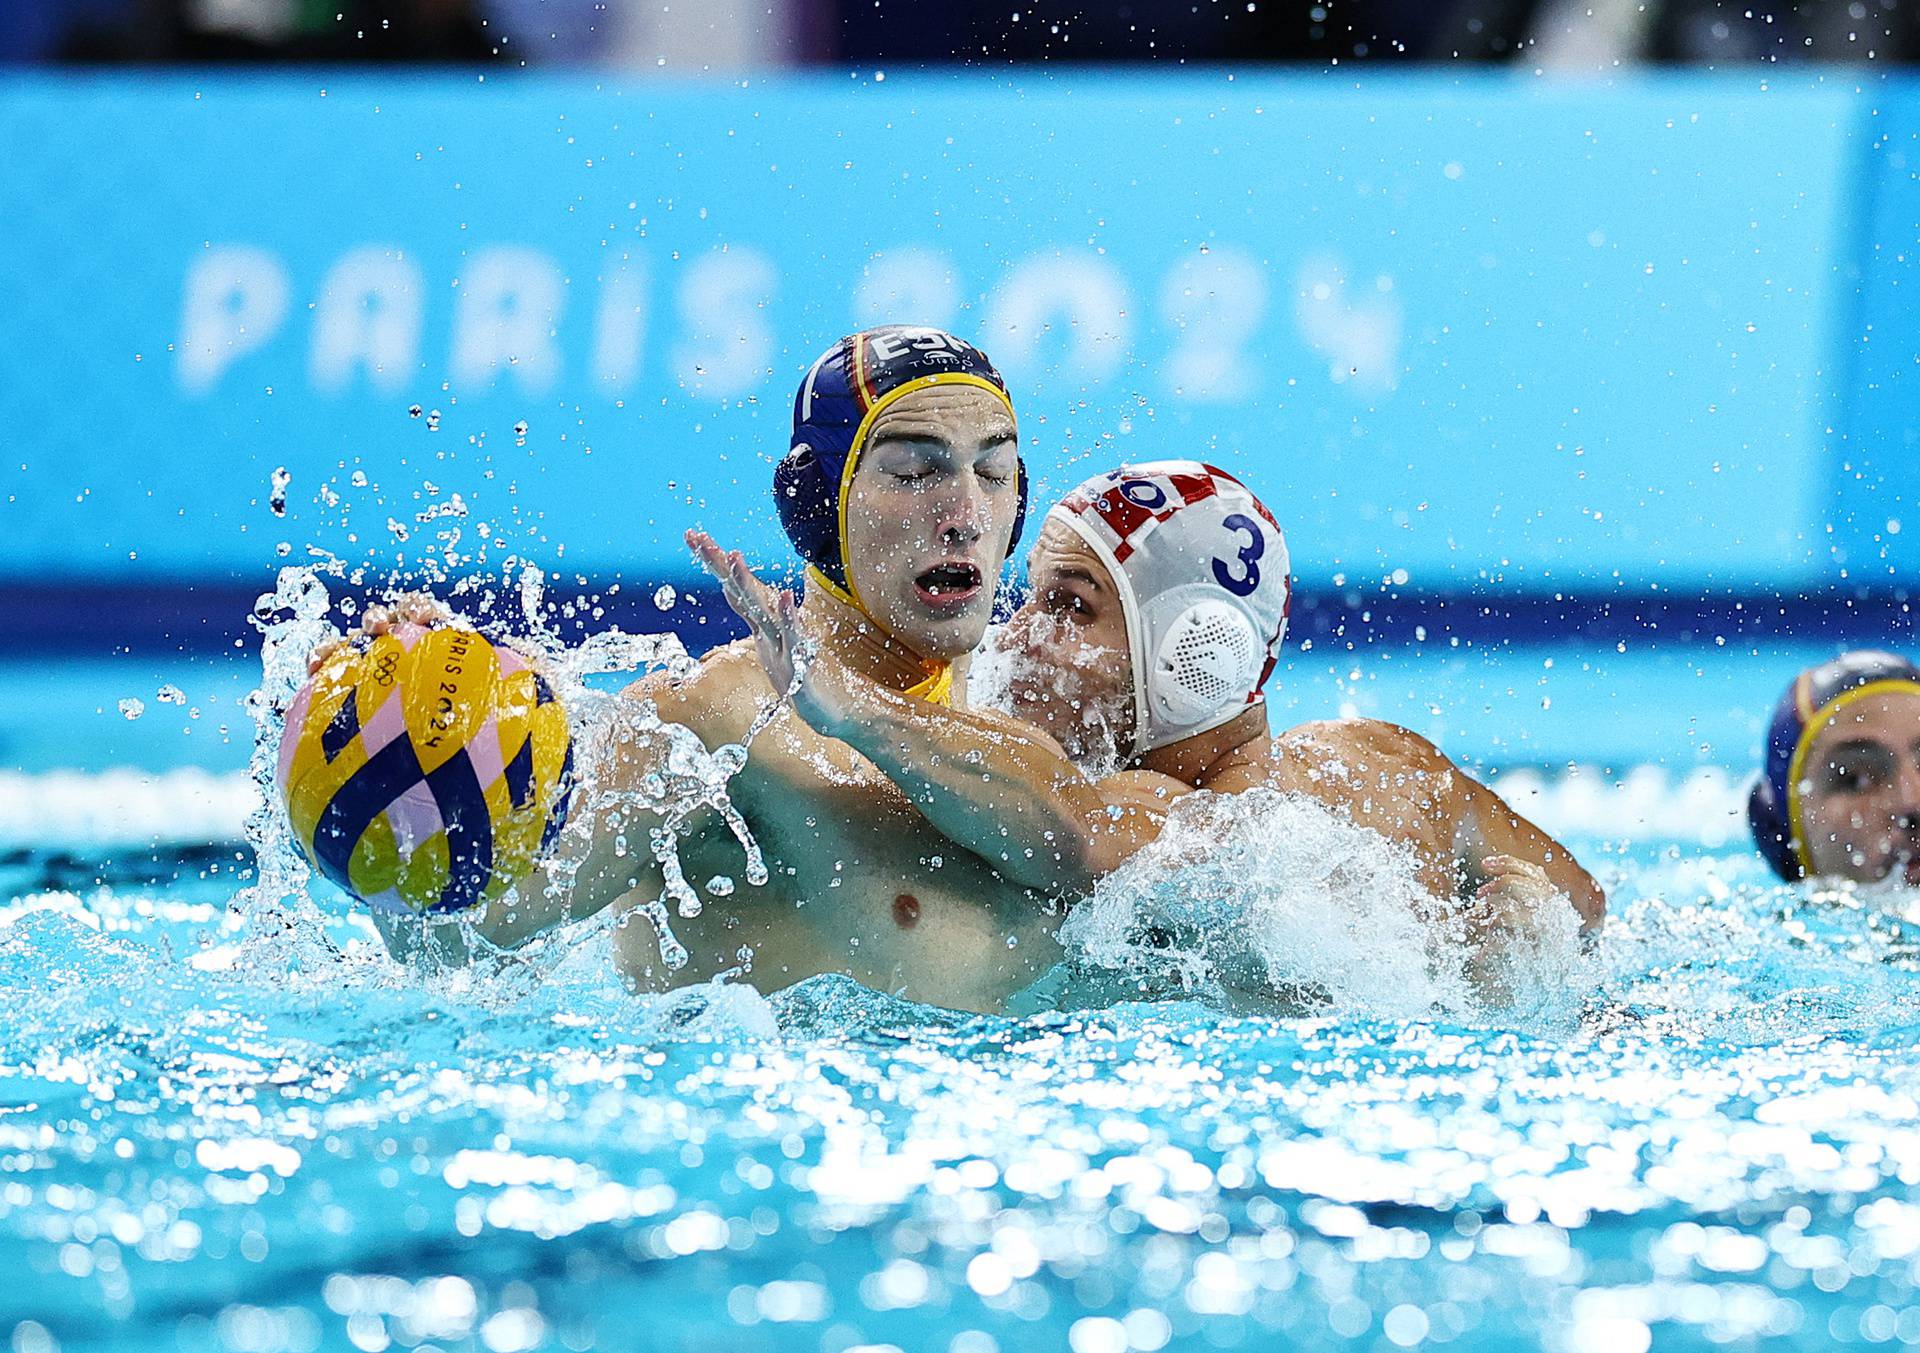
(426, 771)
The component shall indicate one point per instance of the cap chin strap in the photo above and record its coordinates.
(936, 685)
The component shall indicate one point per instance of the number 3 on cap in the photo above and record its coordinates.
(1249, 555)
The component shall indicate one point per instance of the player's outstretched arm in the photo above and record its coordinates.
(1005, 792)
(989, 784)
(1397, 782)
(603, 852)
(1502, 871)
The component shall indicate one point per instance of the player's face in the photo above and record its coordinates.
(1860, 791)
(1071, 670)
(929, 515)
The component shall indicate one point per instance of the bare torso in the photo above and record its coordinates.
(858, 882)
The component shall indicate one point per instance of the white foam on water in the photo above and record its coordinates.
(1270, 894)
(122, 809)
(1705, 806)
(1270, 899)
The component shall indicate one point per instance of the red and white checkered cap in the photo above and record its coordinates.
(1203, 576)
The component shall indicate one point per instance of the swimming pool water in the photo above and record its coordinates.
(219, 1130)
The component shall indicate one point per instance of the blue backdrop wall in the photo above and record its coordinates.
(1464, 334)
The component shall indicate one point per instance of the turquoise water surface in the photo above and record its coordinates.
(222, 1130)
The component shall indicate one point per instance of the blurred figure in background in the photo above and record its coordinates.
(1595, 35)
(1557, 34)
(280, 30)
(713, 36)
(710, 36)
(1839, 792)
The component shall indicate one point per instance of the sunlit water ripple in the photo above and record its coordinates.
(206, 1141)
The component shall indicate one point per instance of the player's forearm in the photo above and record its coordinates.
(604, 854)
(604, 851)
(554, 895)
(1013, 801)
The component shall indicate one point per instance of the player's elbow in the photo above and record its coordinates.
(1099, 839)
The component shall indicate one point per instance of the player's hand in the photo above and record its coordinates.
(409, 608)
(1513, 886)
(824, 695)
(1507, 920)
(1507, 906)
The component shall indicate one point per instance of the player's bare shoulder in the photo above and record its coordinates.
(717, 701)
(1365, 762)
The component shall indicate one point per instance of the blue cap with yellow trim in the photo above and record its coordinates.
(1809, 704)
(833, 411)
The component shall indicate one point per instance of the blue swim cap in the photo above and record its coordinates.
(1816, 695)
(833, 411)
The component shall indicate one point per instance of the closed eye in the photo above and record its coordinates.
(1000, 465)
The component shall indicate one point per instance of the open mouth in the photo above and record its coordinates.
(948, 585)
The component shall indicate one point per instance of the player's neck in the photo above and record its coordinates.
(862, 645)
(1197, 759)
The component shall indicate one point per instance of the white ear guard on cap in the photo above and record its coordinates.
(1205, 660)
(1203, 578)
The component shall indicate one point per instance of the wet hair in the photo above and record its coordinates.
(1773, 808)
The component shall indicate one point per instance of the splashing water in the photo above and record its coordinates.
(292, 622)
(1718, 1154)
(1269, 900)
(1002, 676)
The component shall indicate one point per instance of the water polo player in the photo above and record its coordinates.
(1839, 793)
(1159, 599)
(903, 493)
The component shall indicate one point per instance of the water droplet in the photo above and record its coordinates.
(414, 411)
(665, 597)
(132, 708)
(277, 500)
(171, 695)
(720, 886)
